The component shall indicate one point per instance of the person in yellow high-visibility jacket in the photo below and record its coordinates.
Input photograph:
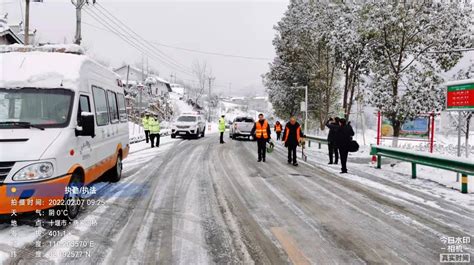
(154, 126)
(221, 127)
(146, 126)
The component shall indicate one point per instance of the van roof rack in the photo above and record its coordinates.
(52, 48)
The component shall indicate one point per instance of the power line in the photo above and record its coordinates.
(213, 53)
(132, 40)
(109, 15)
(197, 51)
(122, 36)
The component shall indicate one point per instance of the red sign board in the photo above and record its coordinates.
(460, 97)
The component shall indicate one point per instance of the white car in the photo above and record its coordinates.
(241, 127)
(189, 125)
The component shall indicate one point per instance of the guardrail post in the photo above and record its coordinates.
(464, 183)
(413, 170)
(379, 161)
(309, 143)
(319, 145)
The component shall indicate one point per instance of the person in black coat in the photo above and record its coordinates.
(343, 139)
(291, 137)
(333, 125)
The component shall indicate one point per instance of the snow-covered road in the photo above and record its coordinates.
(199, 202)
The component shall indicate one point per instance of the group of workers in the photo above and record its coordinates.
(292, 136)
(339, 137)
(151, 126)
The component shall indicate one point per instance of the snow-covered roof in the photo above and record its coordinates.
(6, 30)
(40, 69)
(51, 48)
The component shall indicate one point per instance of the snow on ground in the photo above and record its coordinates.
(437, 182)
(233, 110)
(136, 132)
(16, 237)
(181, 106)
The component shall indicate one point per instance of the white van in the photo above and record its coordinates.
(63, 124)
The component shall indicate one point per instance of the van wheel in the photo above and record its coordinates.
(73, 200)
(116, 172)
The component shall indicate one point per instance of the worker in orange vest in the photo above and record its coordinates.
(261, 132)
(278, 129)
(292, 137)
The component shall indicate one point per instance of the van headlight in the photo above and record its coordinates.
(36, 171)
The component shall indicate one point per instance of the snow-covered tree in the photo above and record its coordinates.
(350, 37)
(304, 58)
(405, 70)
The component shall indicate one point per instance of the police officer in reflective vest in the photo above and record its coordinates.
(221, 127)
(154, 126)
(146, 126)
(261, 132)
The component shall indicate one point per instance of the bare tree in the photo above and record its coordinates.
(201, 72)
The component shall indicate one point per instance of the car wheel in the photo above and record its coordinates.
(173, 136)
(73, 200)
(203, 133)
(115, 173)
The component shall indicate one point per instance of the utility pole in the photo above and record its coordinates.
(210, 78)
(27, 22)
(79, 4)
(171, 78)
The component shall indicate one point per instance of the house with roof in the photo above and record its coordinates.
(154, 85)
(8, 35)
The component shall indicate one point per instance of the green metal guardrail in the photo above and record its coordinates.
(320, 140)
(463, 167)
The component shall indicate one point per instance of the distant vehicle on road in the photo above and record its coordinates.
(241, 127)
(189, 125)
(63, 124)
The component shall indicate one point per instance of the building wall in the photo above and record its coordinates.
(3, 40)
(133, 75)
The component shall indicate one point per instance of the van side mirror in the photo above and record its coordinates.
(87, 125)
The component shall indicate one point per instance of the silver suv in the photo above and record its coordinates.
(242, 126)
(189, 125)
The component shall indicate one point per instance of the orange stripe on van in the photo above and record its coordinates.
(59, 185)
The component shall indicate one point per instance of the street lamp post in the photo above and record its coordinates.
(306, 110)
(305, 128)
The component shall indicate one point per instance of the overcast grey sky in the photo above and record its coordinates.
(229, 27)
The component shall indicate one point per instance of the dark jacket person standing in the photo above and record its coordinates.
(261, 132)
(291, 136)
(343, 140)
(333, 125)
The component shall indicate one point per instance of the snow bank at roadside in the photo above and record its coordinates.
(432, 181)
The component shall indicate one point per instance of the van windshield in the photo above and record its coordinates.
(37, 107)
(187, 118)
